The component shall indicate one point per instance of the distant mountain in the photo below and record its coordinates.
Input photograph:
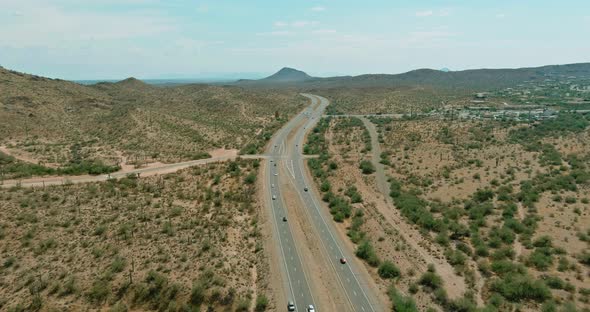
(444, 69)
(286, 75)
(479, 79)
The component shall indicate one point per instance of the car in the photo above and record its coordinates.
(305, 189)
(290, 306)
(343, 260)
(275, 164)
(274, 197)
(272, 185)
(284, 219)
(276, 174)
(310, 308)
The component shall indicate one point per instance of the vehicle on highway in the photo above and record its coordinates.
(274, 197)
(285, 219)
(310, 308)
(305, 189)
(290, 306)
(343, 260)
(276, 174)
(272, 185)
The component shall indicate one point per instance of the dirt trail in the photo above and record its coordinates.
(454, 284)
(148, 170)
(22, 156)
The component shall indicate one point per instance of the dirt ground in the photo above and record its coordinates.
(451, 172)
(99, 245)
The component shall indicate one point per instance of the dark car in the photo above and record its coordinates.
(305, 189)
(285, 219)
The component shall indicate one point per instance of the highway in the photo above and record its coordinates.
(290, 157)
(297, 286)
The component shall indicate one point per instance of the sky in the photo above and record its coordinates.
(114, 39)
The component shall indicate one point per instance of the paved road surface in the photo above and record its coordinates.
(297, 287)
(355, 288)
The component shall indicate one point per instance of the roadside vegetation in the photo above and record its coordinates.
(162, 243)
(503, 200)
(93, 129)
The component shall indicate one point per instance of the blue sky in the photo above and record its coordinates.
(113, 39)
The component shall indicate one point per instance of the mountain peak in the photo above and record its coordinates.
(288, 74)
(131, 82)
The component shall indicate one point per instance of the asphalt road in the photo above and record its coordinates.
(297, 286)
(355, 288)
(292, 159)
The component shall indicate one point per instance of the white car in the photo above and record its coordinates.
(272, 185)
(274, 197)
(310, 308)
(290, 306)
(276, 174)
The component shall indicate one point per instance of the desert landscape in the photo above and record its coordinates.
(299, 156)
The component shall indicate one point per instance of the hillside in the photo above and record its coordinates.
(287, 74)
(467, 79)
(58, 123)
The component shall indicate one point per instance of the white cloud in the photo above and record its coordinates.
(318, 9)
(424, 13)
(52, 26)
(300, 24)
(278, 33)
(444, 12)
(500, 15)
(427, 13)
(281, 24)
(324, 31)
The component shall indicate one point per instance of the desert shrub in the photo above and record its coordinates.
(584, 257)
(431, 280)
(506, 267)
(541, 258)
(250, 178)
(367, 167)
(99, 291)
(261, 303)
(455, 257)
(516, 287)
(366, 252)
(388, 269)
(354, 195)
(483, 195)
(555, 282)
(401, 303)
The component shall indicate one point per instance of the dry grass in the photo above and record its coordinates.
(163, 243)
(56, 122)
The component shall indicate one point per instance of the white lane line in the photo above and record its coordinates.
(321, 217)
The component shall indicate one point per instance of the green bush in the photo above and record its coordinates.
(431, 280)
(366, 252)
(401, 303)
(99, 291)
(516, 288)
(388, 269)
(261, 303)
(367, 167)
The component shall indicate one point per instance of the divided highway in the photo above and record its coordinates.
(290, 156)
(298, 289)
